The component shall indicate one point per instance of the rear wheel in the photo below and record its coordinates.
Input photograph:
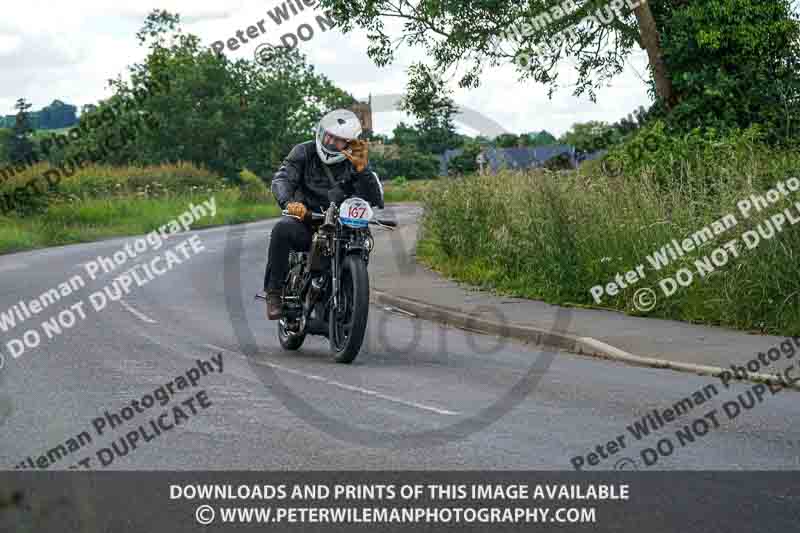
(348, 325)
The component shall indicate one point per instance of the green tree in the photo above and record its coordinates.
(185, 102)
(409, 163)
(534, 36)
(20, 147)
(5, 144)
(507, 140)
(591, 136)
(405, 135)
(465, 163)
(543, 138)
(736, 63)
(698, 49)
(632, 122)
(431, 102)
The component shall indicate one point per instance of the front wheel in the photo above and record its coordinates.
(348, 325)
(289, 340)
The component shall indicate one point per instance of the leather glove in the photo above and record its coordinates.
(358, 154)
(297, 209)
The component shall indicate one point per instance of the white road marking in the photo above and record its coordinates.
(397, 310)
(345, 386)
(12, 265)
(138, 314)
(215, 347)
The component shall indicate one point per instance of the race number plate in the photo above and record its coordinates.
(355, 212)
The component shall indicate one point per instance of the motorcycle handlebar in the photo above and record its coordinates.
(389, 223)
(319, 217)
(314, 216)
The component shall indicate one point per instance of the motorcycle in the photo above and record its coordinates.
(326, 291)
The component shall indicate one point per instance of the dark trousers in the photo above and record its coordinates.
(288, 235)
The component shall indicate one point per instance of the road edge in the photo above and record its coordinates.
(586, 346)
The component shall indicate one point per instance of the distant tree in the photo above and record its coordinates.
(591, 136)
(543, 138)
(465, 163)
(5, 143)
(632, 122)
(21, 148)
(430, 100)
(507, 140)
(405, 135)
(409, 162)
(184, 102)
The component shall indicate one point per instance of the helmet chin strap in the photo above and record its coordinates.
(330, 153)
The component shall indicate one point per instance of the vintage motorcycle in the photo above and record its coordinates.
(327, 288)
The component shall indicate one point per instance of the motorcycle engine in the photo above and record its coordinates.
(296, 263)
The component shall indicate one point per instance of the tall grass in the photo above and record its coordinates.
(96, 181)
(553, 236)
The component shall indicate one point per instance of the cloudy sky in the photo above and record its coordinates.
(68, 50)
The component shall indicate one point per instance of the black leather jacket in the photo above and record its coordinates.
(303, 179)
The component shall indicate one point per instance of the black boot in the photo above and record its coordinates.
(274, 305)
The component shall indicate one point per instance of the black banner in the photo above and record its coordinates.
(123, 502)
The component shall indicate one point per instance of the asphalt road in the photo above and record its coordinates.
(279, 410)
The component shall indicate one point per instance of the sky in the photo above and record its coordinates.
(68, 51)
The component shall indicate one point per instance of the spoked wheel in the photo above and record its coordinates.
(289, 340)
(349, 323)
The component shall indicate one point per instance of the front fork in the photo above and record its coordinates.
(335, 272)
(339, 256)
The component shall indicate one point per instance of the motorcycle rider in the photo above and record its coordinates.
(332, 167)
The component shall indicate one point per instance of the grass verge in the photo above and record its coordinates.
(97, 219)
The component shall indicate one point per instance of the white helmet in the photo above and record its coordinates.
(335, 127)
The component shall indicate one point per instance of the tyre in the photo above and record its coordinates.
(347, 327)
(287, 340)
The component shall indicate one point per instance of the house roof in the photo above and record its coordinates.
(526, 157)
(514, 158)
